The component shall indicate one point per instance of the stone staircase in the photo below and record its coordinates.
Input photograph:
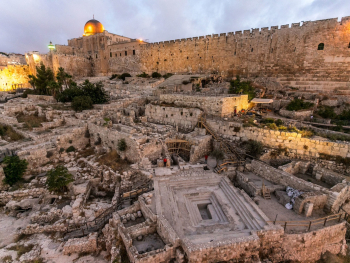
(247, 213)
(317, 82)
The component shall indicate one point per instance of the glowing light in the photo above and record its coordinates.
(141, 40)
(36, 57)
(51, 46)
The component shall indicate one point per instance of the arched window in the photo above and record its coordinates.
(320, 46)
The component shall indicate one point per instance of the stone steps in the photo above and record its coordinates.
(236, 201)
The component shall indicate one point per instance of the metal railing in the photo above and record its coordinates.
(309, 223)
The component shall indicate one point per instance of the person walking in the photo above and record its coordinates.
(165, 160)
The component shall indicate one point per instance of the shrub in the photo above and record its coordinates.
(254, 148)
(70, 149)
(124, 75)
(156, 75)
(30, 121)
(122, 145)
(143, 75)
(95, 91)
(298, 104)
(242, 87)
(279, 122)
(114, 76)
(268, 120)
(272, 126)
(9, 133)
(58, 179)
(217, 154)
(167, 75)
(236, 129)
(81, 103)
(282, 128)
(327, 112)
(27, 92)
(14, 169)
(306, 133)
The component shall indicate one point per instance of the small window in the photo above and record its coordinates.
(235, 53)
(126, 53)
(110, 54)
(320, 46)
(271, 50)
(120, 54)
(187, 57)
(295, 49)
(133, 52)
(116, 54)
(349, 45)
(96, 55)
(252, 49)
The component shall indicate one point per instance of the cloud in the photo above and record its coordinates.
(30, 24)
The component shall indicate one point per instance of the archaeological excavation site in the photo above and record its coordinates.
(231, 147)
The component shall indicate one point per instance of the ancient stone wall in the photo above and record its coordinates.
(309, 247)
(21, 194)
(178, 117)
(284, 50)
(327, 176)
(220, 105)
(293, 141)
(15, 74)
(299, 115)
(282, 178)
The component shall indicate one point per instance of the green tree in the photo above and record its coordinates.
(156, 75)
(14, 169)
(124, 75)
(41, 80)
(255, 148)
(58, 178)
(242, 87)
(63, 78)
(122, 145)
(95, 91)
(298, 104)
(81, 103)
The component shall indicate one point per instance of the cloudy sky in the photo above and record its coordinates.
(28, 25)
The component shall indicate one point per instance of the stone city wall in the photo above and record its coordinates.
(265, 51)
(15, 74)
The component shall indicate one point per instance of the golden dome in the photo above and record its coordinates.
(93, 27)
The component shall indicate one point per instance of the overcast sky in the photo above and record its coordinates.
(28, 25)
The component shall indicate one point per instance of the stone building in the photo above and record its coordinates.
(313, 55)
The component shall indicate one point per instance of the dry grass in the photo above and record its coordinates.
(6, 259)
(10, 134)
(30, 121)
(86, 152)
(113, 160)
(21, 249)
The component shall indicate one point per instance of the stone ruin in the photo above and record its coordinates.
(165, 198)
